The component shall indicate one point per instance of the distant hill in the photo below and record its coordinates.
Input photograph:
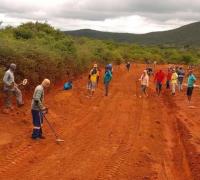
(185, 35)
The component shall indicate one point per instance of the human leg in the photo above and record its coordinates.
(189, 93)
(17, 92)
(37, 131)
(174, 88)
(106, 89)
(7, 98)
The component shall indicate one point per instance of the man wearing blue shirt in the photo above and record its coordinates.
(191, 81)
(107, 79)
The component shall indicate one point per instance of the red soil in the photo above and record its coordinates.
(120, 136)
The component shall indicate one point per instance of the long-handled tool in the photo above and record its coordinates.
(54, 132)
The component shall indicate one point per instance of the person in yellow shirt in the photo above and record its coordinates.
(174, 80)
(93, 78)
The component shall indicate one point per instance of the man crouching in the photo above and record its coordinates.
(10, 87)
(38, 109)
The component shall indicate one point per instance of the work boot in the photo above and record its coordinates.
(6, 111)
(35, 138)
(11, 108)
(42, 137)
(20, 105)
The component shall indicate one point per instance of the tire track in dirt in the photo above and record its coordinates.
(14, 158)
(126, 145)
(84, 124)
(25, 150)
(108, 116)
(89, 142)
(119, 137)
(177, 153)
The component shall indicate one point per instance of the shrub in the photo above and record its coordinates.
(40, 51)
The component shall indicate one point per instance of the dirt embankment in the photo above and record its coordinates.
(120, 136)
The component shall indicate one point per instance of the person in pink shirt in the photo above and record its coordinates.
(144, 83)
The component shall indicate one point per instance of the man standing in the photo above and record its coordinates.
(107, 79)
(128, 65)
(181, 74)
(174, 81)
(191, 81)
(93, 78)
(169, 77)
(159, 78)
(10, 87)
(144, 83)
(38, 109)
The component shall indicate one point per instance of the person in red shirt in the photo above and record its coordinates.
(159, 78)
(169, 76)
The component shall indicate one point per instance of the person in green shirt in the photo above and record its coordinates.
(191, 81)
(107, 79)
(37, 109)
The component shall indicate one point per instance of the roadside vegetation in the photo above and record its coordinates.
(41, 51)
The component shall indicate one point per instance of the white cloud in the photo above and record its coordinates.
(134, 16)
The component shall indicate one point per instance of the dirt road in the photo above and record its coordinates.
(120, 136)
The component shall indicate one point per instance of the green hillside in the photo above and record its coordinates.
(185, 35)
(41, 51)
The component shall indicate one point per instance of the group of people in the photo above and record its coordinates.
(174, 78)
(37, 107)
(94, 76)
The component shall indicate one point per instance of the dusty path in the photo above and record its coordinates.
(117, 137)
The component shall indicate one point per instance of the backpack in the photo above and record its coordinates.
(94, 71)
(67, 86)
(107, 76)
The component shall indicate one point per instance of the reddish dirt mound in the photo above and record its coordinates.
(120, 136)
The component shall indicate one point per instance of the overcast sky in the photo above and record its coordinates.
(133, 16)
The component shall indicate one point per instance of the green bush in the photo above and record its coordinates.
(1, 76)
(40, 51)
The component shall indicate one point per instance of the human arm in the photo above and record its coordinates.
(194, 78)
(38, 96)
(8, 80)
(155, 77)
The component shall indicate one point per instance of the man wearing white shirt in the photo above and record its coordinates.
(10, 87)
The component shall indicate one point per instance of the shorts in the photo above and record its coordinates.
(92, 85)
(89, 85)
(189, 91)
(158, 86)
(143, 88)
(180, 80)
